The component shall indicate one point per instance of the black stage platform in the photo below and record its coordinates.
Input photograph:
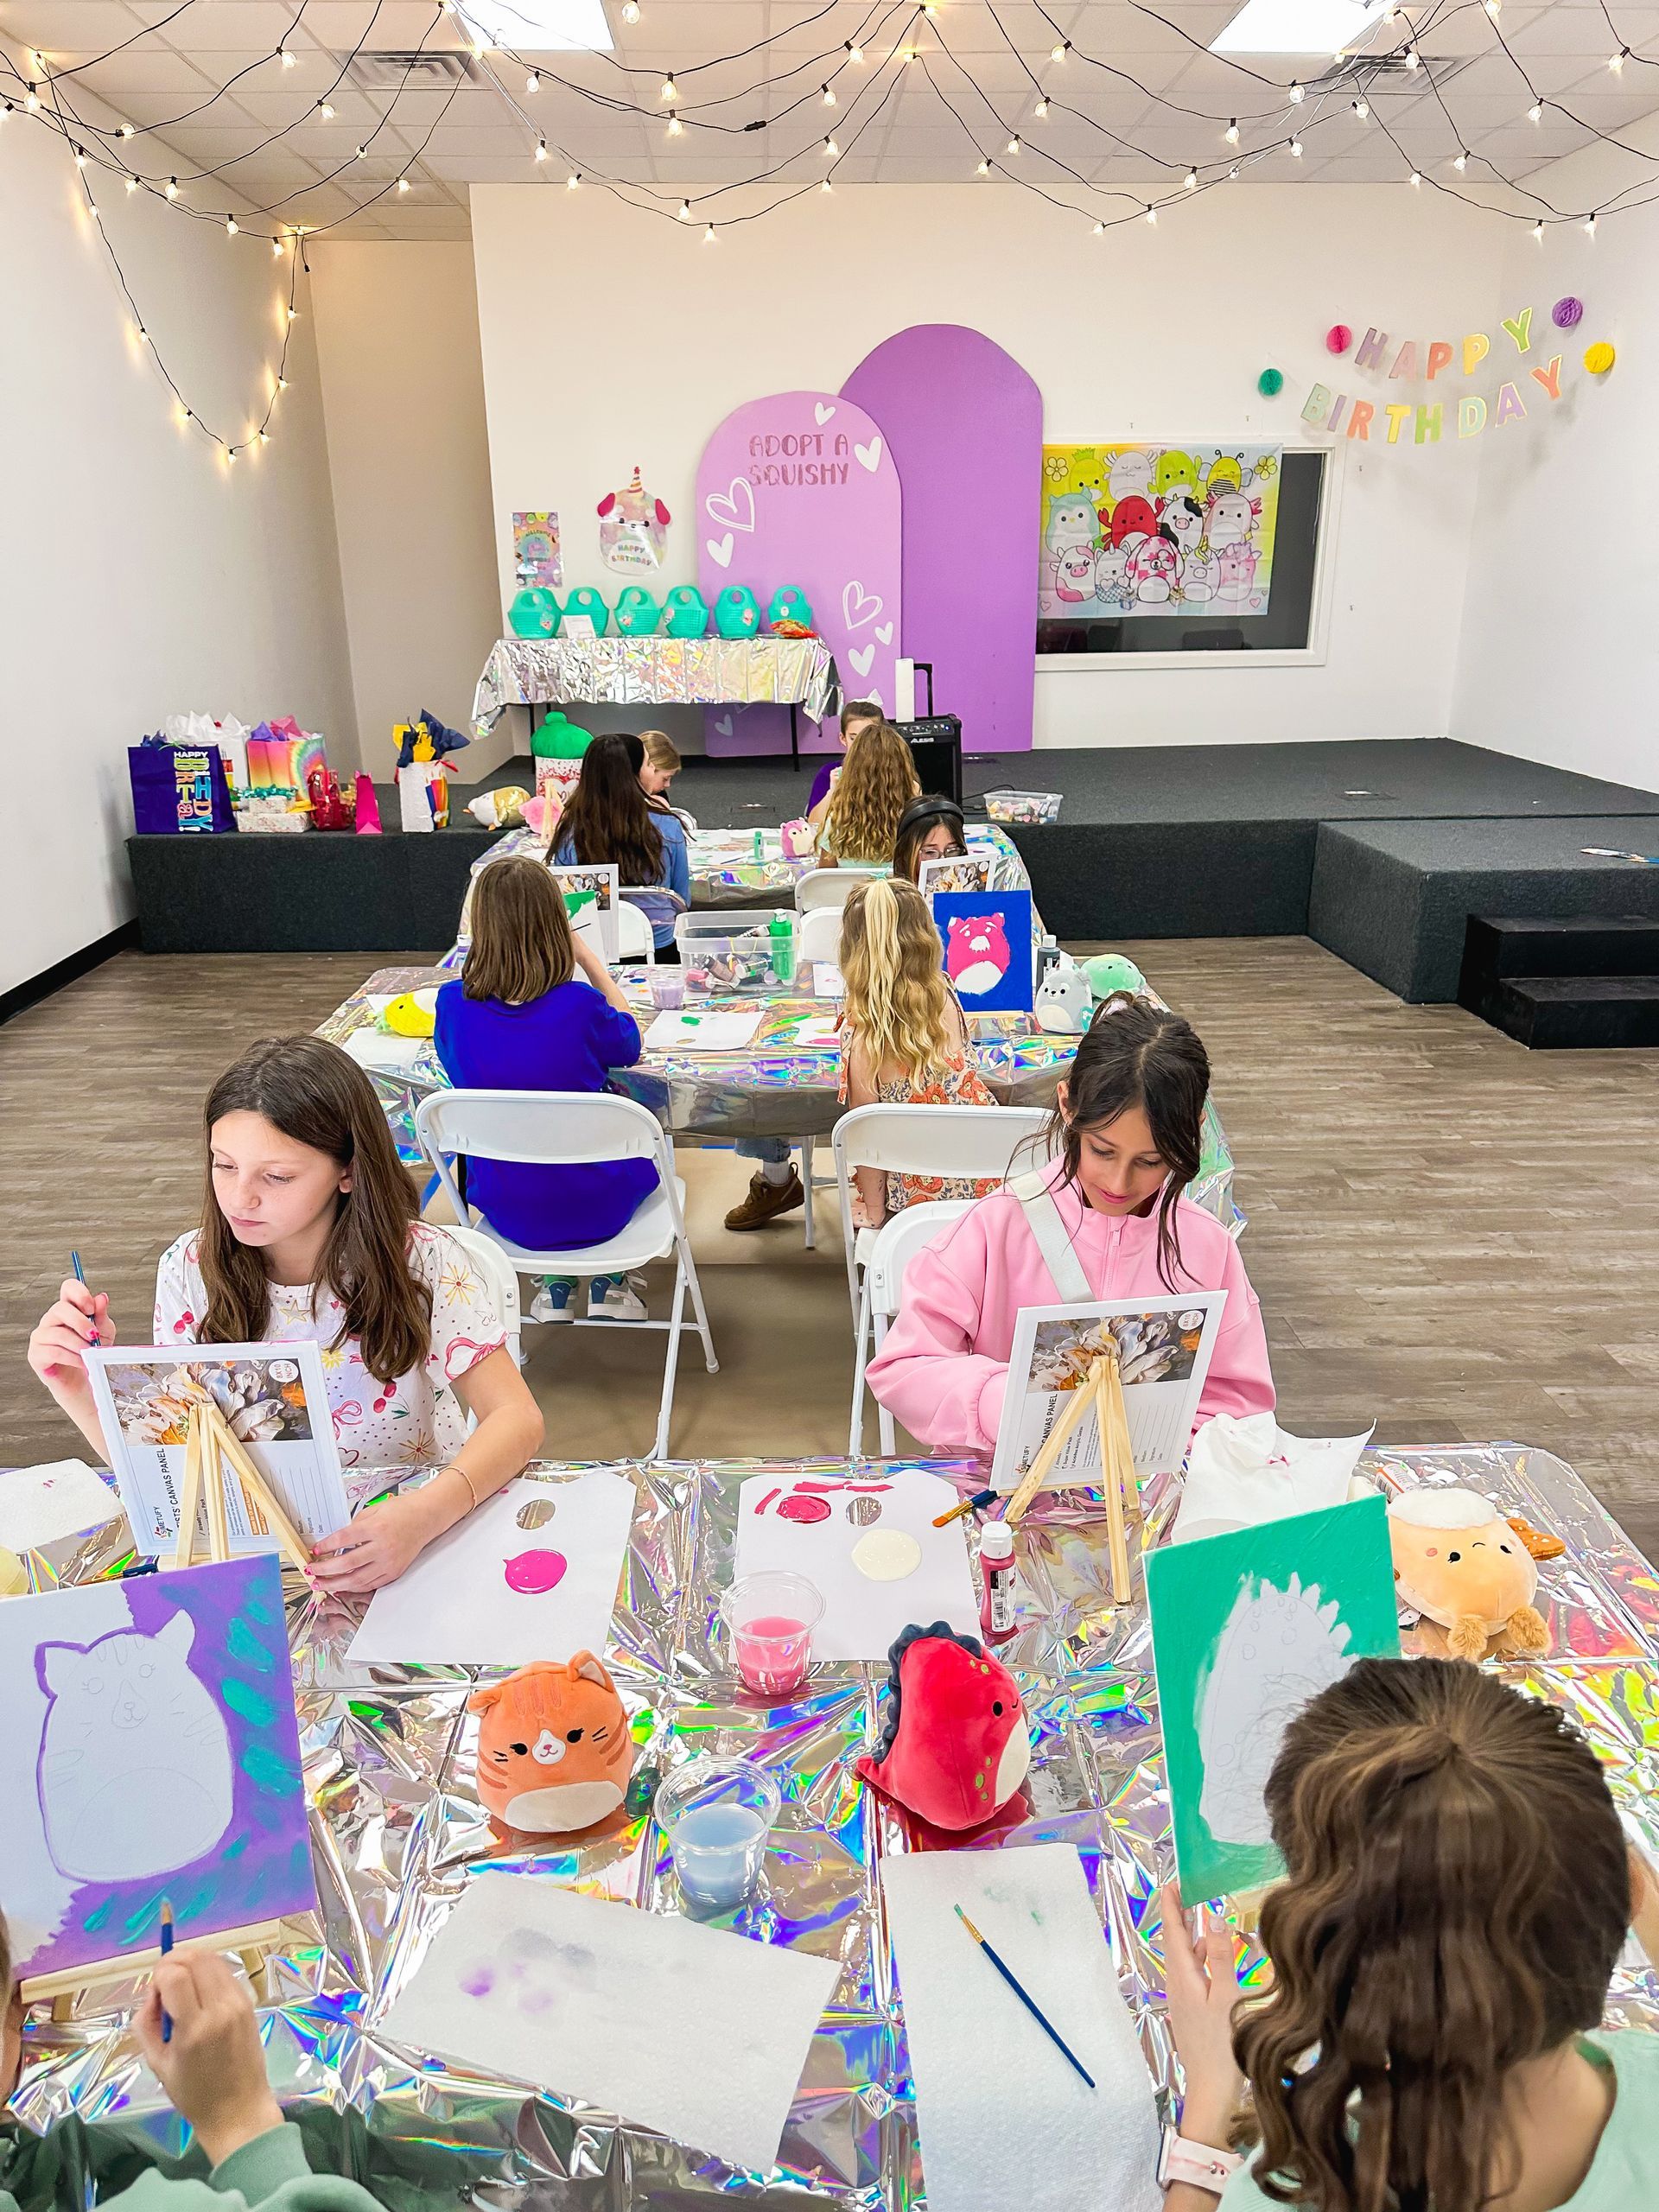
(1380, 849)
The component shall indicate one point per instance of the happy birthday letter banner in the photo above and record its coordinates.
(1388, 363)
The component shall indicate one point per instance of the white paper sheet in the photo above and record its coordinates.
(826, 981)
(133, 1389)
(1002, 2118)
(1160, 1411)
(383, 1051)
(700, 2034)
(862, 1616)
(455, 1603)
(703, 1033)
(38, 1505)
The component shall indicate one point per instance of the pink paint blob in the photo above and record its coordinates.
(534, 1574)
(803, 1509)
(774, 1653)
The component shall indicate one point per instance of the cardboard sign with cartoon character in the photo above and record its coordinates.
(632, 528)
(986, 937)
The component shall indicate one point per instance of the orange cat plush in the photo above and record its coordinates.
(554, 1750)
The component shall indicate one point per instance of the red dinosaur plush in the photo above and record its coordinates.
(954, 1751)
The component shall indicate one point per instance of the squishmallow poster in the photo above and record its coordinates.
(150, 1752)
(987, 957)
(1146, 530)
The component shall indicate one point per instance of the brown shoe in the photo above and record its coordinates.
(766, 1201)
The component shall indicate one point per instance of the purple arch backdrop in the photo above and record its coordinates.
(964, 422)
(799, 488)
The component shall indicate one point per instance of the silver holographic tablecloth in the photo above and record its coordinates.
(398, 1833)
(655, 672)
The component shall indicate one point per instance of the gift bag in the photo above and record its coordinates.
(178, 787)
(1244, 1469)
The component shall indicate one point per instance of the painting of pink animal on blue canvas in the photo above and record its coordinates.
(987, 940)
(976, 954)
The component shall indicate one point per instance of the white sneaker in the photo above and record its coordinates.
(614, 1298)
(555, 1302)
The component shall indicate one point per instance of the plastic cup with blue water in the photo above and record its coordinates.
(716, 1816)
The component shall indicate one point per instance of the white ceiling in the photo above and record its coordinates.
(172, 61)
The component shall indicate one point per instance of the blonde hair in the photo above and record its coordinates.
(661, 751)
(896, 1004)
(877, 782)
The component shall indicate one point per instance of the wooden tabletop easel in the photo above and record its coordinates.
(214, 1453)
(1103, 1395)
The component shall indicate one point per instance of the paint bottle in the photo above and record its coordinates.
(780, 930)
(996, 1581)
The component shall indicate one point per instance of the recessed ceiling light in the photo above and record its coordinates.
(1297, 25)
(538, 25)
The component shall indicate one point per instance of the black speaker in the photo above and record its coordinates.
(936, 744)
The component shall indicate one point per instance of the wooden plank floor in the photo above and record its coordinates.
(1450, 1235)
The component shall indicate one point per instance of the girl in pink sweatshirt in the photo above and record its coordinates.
(1109, 1208)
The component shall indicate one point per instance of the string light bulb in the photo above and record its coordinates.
(325, 109)
(293, 313)
(275, 249)
(1152, 215)
(831, 149)
(1362, 109)
(1494, 8)
(1014, 143)
(1232, 174)
(1590, 227)
(685, 211)
(265, 438)
(855, 51)
(281, 384)
(1189, 181)
(541, 150)
(1058, 52)
(32, 101)
(1041, 108)
(1231, 134)
(1615, 62)
(573, 180)
(670, 91)
(828, 96)
(984, 168)
(676, 128)
(1298, 92)
(1535, 113)
(402, 184)
(80, 157)
(288, 61)
(229, 226)
(172, 191)
(1414, 179)
(709, 235)
(358, 153)
(1413, 59)
(630, 11)
(1461, 163)
(826, 186)
(1538, 231)
(132, 184)
(126, 127)
(1296, 149)
(1100, 230)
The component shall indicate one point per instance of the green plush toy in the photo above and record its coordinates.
(555, 737)
(1113, 971)
(534, 614)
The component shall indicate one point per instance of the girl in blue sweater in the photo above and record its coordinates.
(520, 1017)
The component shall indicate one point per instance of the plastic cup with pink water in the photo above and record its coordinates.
(770, 1618)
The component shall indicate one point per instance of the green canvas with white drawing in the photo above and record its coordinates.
(1246, 1628)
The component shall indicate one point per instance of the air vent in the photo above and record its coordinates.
(1388, 73)
(385, 72)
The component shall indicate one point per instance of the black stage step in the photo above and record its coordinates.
(1576, 1013)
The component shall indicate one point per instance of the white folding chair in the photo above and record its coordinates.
(891, 1250)
(969, 1142)
(576, 1129)
(499, 1280)
(830, 886)
(634, 940)
(818, 935)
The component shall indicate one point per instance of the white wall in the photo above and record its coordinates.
(141, 576)
(1560, 656)
(404, 389)
(610, 338)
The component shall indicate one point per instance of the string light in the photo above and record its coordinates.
(1493, 7)
(229, 226)
(830, 149)
(685, 211)
(126, 127)
(172, 192)
(984, 168)
(32, 101)
(293, 312)
(1298, 93)
(1296, 149)
(1100, 230)
(1535, 113)
(826, 186)
(325, 109)
(360, 153)
(132, 184)
(1461, 163)
(1538, 233)
(263, 436)
(1590, 227)
(541, 150)
(1189, 181)
(1413, 59)
(1231, 134)
(1059, 52)
(1041, 108)
(288, 61)
(709, 235)
(1615, 62)
(281, 384)
(533, 83)
(855, 51)
(670, 91)
(630, 11)
(402, 186)
(80, 157)
(1151, 214)
(1014, 143)
(1232, 174)
(676, 128)
(828, 96)
(1362, 109)
(1414, 178)
(275, 249)
(573, 180)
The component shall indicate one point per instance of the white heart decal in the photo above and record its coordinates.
(735, 505)
(823, 412)
(870, 455)
(719, 549)
(723, 724)
(861, 657)
(884, 631)
(858, 607)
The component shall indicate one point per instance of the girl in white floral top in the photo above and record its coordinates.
(310, 1232)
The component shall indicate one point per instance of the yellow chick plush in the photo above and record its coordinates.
(411, 1014)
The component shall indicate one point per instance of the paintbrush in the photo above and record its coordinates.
(74, 1262)
(976, 1503)
(1029, 2002)
(167, 1945)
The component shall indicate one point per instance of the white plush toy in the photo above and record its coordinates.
(1064, 1001)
